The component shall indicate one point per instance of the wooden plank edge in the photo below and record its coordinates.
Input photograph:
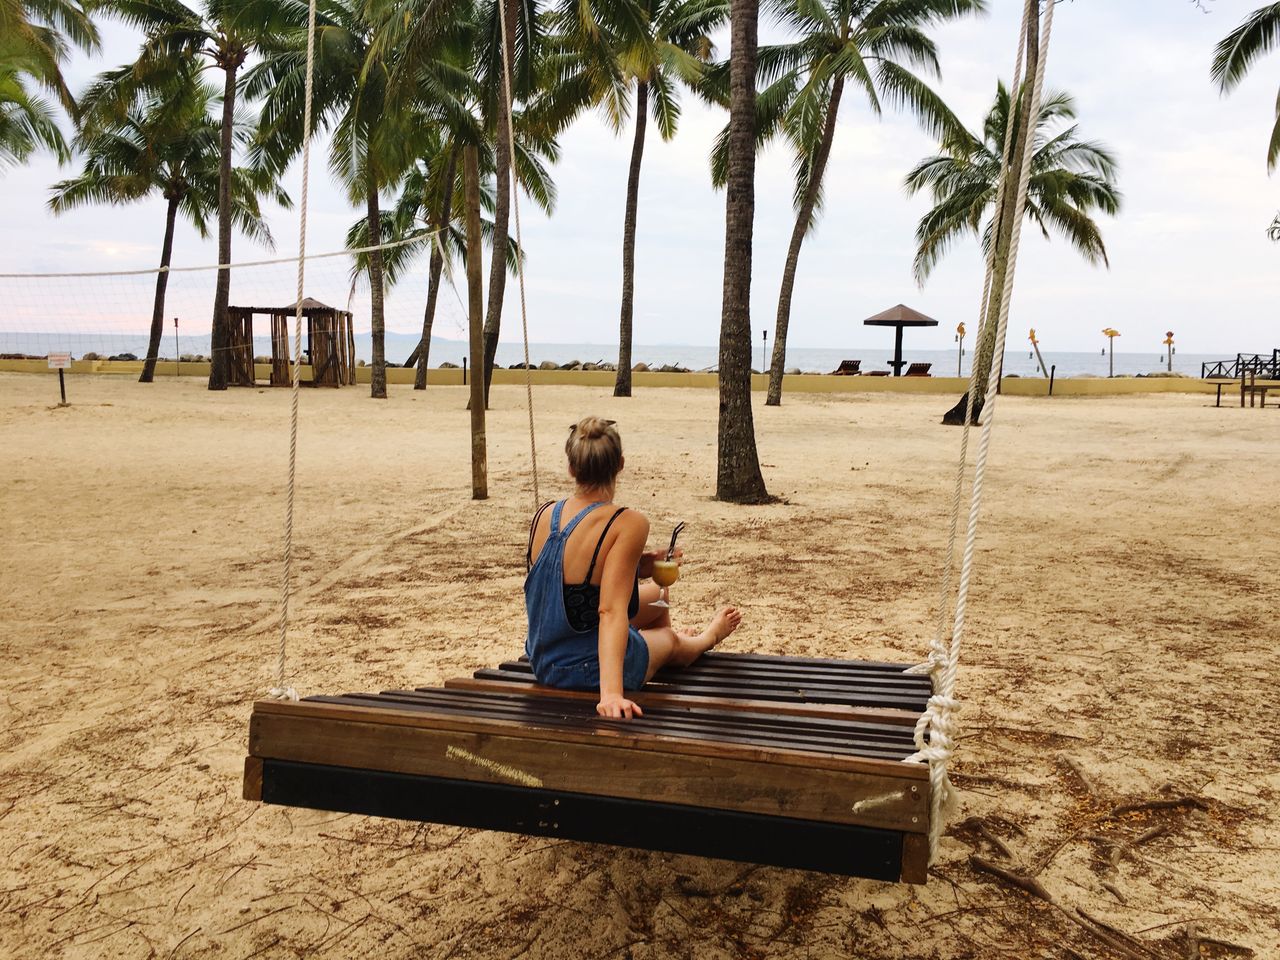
(252, 778)
(822, 711)
(597, 769)
(416, 717)
(915, 858)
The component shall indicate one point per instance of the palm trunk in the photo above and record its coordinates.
(738, 477)
(442, 220)
(378, 374)
(475, 296)
(219, 358)
(1006, 217)
(162, 283)
(804, 217)
(502, 206)
(622, 385)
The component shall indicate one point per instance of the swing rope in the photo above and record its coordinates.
(283, 690)
(937, 646)
(935, 730)
(514, 179)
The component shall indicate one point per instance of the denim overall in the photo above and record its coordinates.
(560, 655)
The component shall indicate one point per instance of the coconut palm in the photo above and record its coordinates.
(880, 48)
(166, 143)
(224, 33)
(371, 146)
(1072, 180)
(543, 107)
(1235, 56)
(27, 122)
(36, 37)
(429, 214)
(643, 49)
(738, 477)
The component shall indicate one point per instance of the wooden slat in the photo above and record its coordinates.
(653, 697)
(761, 691)
(664, 771)
(628, 735)
(844, 729)
(884, 742)
(829, 662)
(744, 669)
(625, 735)
(868, 681)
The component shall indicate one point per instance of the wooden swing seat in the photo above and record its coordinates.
(793, 762)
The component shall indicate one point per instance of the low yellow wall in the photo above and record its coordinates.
(1013, 386)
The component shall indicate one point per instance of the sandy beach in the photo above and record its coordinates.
(1119, 680)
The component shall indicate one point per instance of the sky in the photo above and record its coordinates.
(1189, 250)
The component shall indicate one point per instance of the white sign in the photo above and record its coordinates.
(59, 361)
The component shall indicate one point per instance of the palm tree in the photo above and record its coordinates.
(738, 477)
(166, 142)
(543, 106)
(371, 146)
(1071, 181)
(26, 121)
(225, 32)
(430, 213)
(656, 46)
(1235, 56)
(35, 39)
(523, 40)
(877, 46)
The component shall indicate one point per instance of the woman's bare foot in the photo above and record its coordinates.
(726, 620)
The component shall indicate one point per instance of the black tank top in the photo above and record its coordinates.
(582, 600)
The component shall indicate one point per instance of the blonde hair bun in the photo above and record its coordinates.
(594, 450)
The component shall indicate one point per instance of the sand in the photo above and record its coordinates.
(1123, 625)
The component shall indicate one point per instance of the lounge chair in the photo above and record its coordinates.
(918, 370)
(877, 373)
(848, 368)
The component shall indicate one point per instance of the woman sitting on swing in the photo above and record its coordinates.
(592, 624)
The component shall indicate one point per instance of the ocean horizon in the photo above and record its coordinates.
(1018, 361)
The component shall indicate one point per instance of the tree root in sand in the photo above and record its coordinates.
(1124, 944)
(1190, 945)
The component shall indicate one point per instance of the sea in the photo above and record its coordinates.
(1019, 362)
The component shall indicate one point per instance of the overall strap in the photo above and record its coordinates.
(528, 553)
(600, 543)
(555, 518)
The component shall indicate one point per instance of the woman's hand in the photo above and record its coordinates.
(645, 569)
(617, 707)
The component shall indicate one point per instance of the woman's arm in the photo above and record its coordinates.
(616, 582)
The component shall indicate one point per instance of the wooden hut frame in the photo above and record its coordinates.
(330, 344)
(240, 372)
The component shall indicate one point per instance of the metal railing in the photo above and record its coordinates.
(1261, 365)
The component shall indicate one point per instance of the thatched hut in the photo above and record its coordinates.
(330, 344)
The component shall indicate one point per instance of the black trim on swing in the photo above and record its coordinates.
(747, 838)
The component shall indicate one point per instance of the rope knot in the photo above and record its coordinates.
(283, 693)
(933, 663)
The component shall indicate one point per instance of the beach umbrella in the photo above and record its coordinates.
(899, 317)
(1168, 342)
